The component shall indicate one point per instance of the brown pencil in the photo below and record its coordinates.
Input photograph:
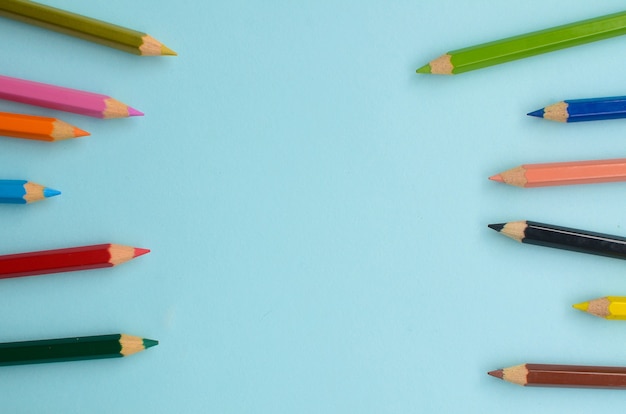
(576, 376)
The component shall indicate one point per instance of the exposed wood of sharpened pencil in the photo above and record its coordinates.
(564, 238)
(526, 45)
(37, 128)
(576, 376)
(87, 28)
(609, 307)
(67, 260)
(72, 349)
(564, 173)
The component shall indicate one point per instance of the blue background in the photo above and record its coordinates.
(316, 211)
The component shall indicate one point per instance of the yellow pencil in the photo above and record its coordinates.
(609, 307)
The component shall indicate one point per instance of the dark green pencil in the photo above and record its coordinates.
(72, 349)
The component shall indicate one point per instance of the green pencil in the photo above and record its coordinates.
(83, 27)
(530, 44)
(72, 349)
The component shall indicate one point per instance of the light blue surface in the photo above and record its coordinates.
(317, 212)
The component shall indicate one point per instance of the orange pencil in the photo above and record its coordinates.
(37, 127)
(564, 173)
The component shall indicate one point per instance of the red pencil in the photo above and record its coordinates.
(66, 260)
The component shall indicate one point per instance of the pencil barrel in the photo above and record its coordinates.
(55, 261)
(575, 240)
(575, 376)
(73, 24)
(58, 350)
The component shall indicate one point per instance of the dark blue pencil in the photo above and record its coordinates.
(579, 110)
(23, 192)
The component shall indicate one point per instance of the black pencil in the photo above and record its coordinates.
(564, 238)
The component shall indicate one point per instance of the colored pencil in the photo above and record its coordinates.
(580, 110)
(526, 45)
(83, 27)
(564, 173)
(23, 192)
(565, 238)
(66, 260)
(63, 99)
(37, 128)
(576, 376)
(72, 349)
(609, 307)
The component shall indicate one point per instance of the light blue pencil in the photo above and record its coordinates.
(23, 192)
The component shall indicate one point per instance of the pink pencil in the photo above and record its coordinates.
(63, 99)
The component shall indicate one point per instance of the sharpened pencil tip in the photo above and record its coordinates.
(583, 306)
(149, 343)
(166, 51)
(50, 192)
(496, 227)
(538, 113)
(424, 69)
(134, 112)
(498, 373)
(140, 252)
(80, 133)
(497, 178)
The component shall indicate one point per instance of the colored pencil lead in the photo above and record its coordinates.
(498, 373)
(496, 227)
(49, 192)
(497, 178)
(538, 113)
(166, 51)
(583, 306)
(134, 112)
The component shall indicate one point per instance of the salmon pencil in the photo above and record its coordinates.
(564, 173)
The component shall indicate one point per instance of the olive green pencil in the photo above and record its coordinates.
(86, 28)
(526, 45)
(72, 349)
